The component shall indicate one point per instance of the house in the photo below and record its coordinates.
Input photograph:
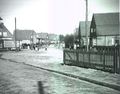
(42, 38)
(81, 31)
(104, 29)
(53, 38)
(25, 36)
(6, 38)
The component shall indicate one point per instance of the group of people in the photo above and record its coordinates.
(33, 46)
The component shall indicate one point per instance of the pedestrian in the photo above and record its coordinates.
(33, 47)
(45, 48)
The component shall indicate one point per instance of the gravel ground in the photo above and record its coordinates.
(17, 78)
(52, 59)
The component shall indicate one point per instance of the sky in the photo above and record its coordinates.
(51, 16)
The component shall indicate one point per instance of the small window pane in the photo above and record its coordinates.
(0, 33)
(5, 34)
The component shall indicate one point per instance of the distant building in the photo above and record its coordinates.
(42, 35)
(25, 36)
(6, 38)
(81, 32)
(42, 38)
(104, 29)
(53, 38)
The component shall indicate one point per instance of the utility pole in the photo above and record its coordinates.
(86, 25)
(15, 35)
(79, 36)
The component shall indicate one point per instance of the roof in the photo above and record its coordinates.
(82, 28)
(4, 29)
(106, 23)
(42, 35)
(53, 37)
(1, 18)
(24, 34)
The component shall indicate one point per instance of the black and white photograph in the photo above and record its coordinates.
(59, 47)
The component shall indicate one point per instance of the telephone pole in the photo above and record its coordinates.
(86, 25)
(15, 35)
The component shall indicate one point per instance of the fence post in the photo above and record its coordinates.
(103, 59)
(115, 60)
(119, 59)
(89, 59)
(83, 63)
(64, 56)
(77, 57)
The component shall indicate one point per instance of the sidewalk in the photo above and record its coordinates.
(44, 61)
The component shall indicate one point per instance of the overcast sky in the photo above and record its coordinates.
(52, 16)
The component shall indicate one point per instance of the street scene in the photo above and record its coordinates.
(59, 47)
(22, 73)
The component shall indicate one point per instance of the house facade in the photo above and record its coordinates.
(25, 37)
(104, 29)
(42, 38)
(6, 38)
(81, 32)
(53, 38)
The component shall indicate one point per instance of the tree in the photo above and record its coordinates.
(69, 41)
(61, 38)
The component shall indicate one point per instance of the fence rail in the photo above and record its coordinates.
(106, 59)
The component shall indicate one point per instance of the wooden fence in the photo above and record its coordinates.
(106, 58)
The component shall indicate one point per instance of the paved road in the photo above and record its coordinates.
(17, 78)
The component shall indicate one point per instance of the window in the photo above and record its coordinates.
(91, 30)
(5, 34)
(0, 33)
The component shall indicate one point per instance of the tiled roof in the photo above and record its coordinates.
(24, 34)
(107, 23)
(107, 18)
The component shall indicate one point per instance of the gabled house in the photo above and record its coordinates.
(82, 31)
(6, 38)
(25, 36)
(104, 29)
(42, 38)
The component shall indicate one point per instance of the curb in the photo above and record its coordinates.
(112, 86)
